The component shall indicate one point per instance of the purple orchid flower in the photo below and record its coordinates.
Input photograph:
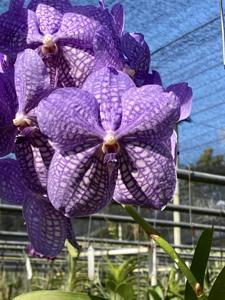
(32, 148)
(138, 62)
(47, 228)
(66, 42)
(111, 142)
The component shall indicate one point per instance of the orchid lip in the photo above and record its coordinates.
(110, 148)
(21, 121)
(49, 45)
(110, 144)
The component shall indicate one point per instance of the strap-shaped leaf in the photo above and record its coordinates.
(218, 290)
(199, 262)
(55, 295)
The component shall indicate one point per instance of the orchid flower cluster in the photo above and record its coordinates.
(86, 118)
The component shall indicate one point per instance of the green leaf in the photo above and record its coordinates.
(199, 262)
(71, 249)
(218, 290)
(153, 295)
(126, 291)
(53, 295)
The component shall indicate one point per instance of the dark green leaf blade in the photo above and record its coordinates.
(53, 295)
(199, 262)
(218, 290)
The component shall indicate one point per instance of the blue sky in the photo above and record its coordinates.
(185, 41)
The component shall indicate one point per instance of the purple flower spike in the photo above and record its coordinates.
(12, 188)
(184, 93)
(47, 228)
(34, 154)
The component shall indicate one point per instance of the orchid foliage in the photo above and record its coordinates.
(86, 117)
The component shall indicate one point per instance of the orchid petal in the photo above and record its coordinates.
(117, 12)
(76, 179)
(152, 78)
(34, 155)
(49, 18)
(77, 30)
(108, 86)
(62, 5)
(69, 117)
(18, 31)
(105, 50)
(149, 114)
(171, 143)
(147, 175)
(8, 106)
(73, 66)
(184, 93)
(46, 227)
(137, 52)
(30, 85)
(12, 188)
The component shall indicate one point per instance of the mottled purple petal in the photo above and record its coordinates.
(18, 31)
(12, 187)
(46, 227)
(184, 93)
(34, 154)
(80, 184)
(69, 117)
(137, 52)
(8, 106)
(152, 78)
(62, 5)
(73, 66)
(8, 92)
(108, 86)
(171, 143)
(117, 12)
(149, 114)
(77, 30)
(147, 175)
(49, 18)
(106, 53)
(30, 85)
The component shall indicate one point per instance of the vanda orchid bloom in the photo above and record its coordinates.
(68, 38)
(111, 141)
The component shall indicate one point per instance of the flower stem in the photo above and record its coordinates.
(154, 235)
